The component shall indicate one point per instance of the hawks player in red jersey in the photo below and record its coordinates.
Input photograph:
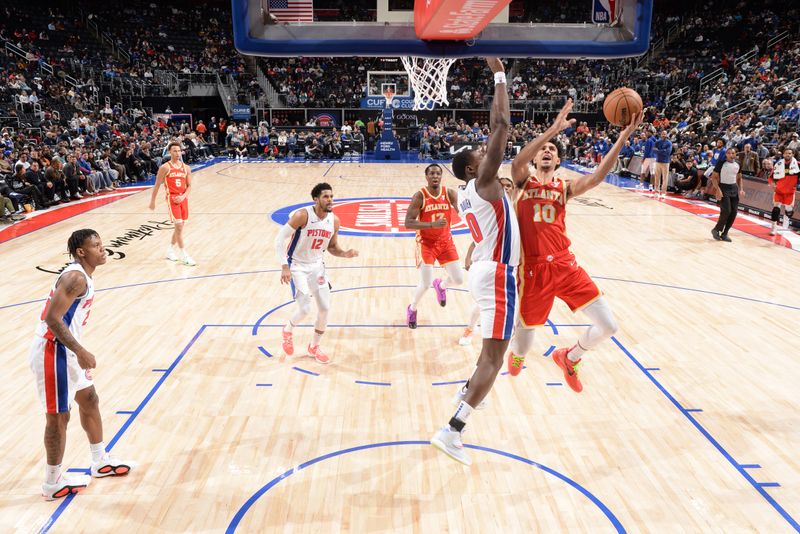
(177, 179)
(548, 269)
(784, 180)
(430, 215)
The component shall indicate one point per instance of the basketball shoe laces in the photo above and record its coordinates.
(518, 361)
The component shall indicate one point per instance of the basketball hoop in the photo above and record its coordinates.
(428, 77)
(389, 95)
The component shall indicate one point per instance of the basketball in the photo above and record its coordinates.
(621, 105)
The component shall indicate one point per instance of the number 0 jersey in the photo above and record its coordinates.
(493, 225)
(310, 242)
(541, 210)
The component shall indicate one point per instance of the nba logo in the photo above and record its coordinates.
(604, 11)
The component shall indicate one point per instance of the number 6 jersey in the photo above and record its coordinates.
(310, 242)
(541, 209)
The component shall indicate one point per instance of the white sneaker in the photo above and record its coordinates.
(65, 485)
(187, 260)
(171, 254)
(110, 466)
(449, 442)
(787, 221)
(773, 230)
(461, 393)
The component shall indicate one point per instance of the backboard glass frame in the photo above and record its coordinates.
(629, 37)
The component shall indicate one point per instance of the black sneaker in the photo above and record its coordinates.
(715, 234)
(725, 237)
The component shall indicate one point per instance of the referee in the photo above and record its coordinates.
(727, 179)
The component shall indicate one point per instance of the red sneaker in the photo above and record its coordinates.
(316, 353)
(569, 368)
(288, 343)
(515, 364)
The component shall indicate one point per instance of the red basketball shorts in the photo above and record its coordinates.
(542, 279)
(444, 251)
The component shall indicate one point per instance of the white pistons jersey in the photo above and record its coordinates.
(493, 226)
(78, 312)
(310, 242)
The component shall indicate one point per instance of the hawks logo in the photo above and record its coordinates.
(373, 217)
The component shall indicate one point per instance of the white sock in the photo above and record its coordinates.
(463, 411)
(51, 473)
(98, 450)
(317, 337)
(443, 284)
(574, 354)
(289, 327)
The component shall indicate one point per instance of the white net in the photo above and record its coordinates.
(428, 77)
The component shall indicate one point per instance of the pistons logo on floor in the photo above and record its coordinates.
(371, 217)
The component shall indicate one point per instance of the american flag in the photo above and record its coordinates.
(292, 10)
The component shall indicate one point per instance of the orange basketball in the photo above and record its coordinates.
(621, 105)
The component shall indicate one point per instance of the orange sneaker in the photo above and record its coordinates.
(288, 343)
(569, 368)
(515, 364)
(316, 352)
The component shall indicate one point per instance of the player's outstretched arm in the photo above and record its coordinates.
(162, 174)
(333, 245)
(519, 167)
(297, 220)
(584, 183)
(500, 121)
(70, 287)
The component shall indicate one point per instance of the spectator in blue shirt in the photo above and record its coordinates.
(663, 153)
(648, 159)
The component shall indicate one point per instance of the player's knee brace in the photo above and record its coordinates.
(776, 213)
(788, 214)
(522, 341)
(426, 275)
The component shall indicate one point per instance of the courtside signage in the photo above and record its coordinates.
(370, 217)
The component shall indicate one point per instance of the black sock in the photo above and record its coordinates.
(776, 214)
(457, 424)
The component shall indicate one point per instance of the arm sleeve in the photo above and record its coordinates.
(280, 243)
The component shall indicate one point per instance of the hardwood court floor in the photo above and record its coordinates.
(688, 421)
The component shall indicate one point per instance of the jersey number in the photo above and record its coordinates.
(177, 182)
(316, 244)
(546, 213)
(474, 229)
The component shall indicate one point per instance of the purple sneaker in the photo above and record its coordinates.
(441, 292)
(411, 317)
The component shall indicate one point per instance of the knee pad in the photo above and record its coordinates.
(426, 275)
(455, 273)
(776, 213)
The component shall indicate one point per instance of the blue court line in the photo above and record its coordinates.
(553, 326)
(551, 349)
(750, 466)
(125, 412)
(652, 368)
(264, 351)
(159, 370)
(237, 518)
(368, 383)
(305, 371)
(695, 290)
(84, 470)
(700, 428)
(329, 168)
(769, 484)
(693, 410)
(553, 384)
(506, 372)
(449, 383)
(263, 385)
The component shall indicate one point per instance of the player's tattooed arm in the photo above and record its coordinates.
(70, 287)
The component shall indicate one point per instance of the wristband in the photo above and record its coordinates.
(499, 77)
